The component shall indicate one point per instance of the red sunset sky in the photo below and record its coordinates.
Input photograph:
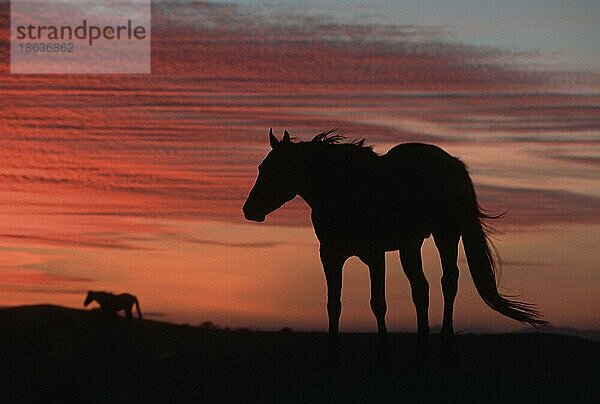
(135, 182)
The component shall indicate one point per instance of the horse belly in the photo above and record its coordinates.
(368, 232)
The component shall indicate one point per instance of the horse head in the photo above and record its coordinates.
(89, 298)
(277, 181)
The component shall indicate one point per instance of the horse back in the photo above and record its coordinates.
(126, 298)
(118, 302)
(420, 156)
(424, 182)
(413, 190)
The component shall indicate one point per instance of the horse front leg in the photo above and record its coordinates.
(129, 317)
(333, 263)
(410, 257)
(376, 263)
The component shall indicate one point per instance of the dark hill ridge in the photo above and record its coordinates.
(55, 354)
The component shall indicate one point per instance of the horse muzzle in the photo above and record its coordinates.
(253, 216)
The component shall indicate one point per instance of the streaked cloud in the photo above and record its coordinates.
(527, 207)
(185, 141)
(78, 241)
(34, 277)
(253, 244)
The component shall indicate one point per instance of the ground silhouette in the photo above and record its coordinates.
(55, 354)
(364, 204)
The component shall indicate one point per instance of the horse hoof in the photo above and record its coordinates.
(382, 350)
(333, 351)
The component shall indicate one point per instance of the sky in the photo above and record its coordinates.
(134, 183)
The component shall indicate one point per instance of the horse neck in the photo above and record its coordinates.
(100, 298)
(326, 176)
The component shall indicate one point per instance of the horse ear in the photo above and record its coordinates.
(286, 137)
(272, 139)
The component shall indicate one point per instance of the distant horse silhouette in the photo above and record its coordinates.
(110, 304)
(364, 204)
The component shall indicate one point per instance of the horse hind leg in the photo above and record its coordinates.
(447, 245)
(412, 264)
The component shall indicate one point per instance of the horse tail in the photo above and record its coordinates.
(483, 260)
(137, 307)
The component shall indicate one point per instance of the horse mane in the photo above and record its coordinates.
(100, 293)
(333, 138)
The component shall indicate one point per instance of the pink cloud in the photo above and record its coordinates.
(33, 277)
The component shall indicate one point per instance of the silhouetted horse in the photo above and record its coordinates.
(110, 304)
(364, 204)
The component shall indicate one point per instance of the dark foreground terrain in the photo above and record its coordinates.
(54, 354)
